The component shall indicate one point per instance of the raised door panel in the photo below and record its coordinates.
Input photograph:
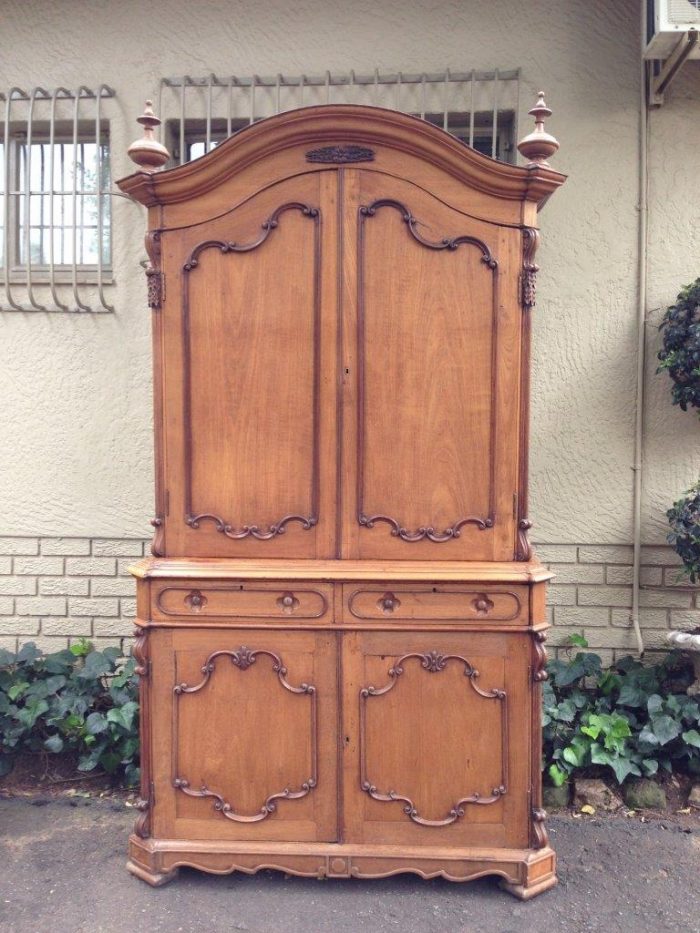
(436, 730)
(432, 332)
(246, 735)
(249, 322)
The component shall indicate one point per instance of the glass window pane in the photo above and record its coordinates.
(64, 182)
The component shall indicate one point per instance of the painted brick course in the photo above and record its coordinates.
(601, 610)
(17, 546)
(38, 566)
(73, 547)
(40, 605)
(55, 591)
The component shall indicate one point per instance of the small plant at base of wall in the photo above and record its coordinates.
(77, 701)
(680, 354)
(627, 720)
(684, 537)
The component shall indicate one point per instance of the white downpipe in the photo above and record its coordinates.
(641, 343)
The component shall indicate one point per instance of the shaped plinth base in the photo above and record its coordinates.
(524, 873)
(156, 879)
(526, 891)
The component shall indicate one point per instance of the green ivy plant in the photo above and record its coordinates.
(630, 718)
(684, 537)
(680, 353)
(78, 701)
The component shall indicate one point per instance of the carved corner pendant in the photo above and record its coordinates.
(154, 280)
(531, 239)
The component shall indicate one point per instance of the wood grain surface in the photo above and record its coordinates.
(341, 631)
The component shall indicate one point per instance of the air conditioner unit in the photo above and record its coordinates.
(667, 21)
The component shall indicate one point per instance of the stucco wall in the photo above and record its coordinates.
(75, 437)
(671, 437)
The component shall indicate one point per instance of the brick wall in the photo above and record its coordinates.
(591, 595)
(54, 591)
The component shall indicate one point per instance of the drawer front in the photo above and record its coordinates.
(279, 601)
(446, 603)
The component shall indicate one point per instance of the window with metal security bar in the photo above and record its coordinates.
(55, 200)
(479, 108)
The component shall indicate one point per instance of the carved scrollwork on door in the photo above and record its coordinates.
(433, 662)
(260, 531)
(428, 530)
(244, 658)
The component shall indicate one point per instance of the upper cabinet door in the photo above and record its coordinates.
(248, 363)
(432, 352)
(341, 357)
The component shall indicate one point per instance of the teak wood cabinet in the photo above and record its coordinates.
(340, 634)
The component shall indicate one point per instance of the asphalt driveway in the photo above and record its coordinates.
(62, 870)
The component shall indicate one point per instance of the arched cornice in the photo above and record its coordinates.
(343, 124)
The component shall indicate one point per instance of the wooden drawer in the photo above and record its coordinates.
(283, 601)
(444, 603)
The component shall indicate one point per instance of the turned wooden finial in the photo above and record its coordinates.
(538, 145)
(147, 152)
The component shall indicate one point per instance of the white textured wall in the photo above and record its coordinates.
(672, 437)
(75, 436)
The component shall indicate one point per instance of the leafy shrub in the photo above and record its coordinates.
(78, 701)
(680, 354)
(684, 537)
(630, 718)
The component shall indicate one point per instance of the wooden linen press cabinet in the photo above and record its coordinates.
(340, 636)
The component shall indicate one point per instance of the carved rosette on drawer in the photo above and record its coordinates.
(434, 663)
(244, 658)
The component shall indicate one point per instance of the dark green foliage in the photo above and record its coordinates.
(684, 537)
(630, 718)
(680, 355)
(79, 701)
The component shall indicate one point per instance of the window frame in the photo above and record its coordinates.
(60, 273)
(460, 128)
(488, 103)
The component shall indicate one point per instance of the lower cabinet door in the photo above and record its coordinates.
(436, 734)
(244, 734)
